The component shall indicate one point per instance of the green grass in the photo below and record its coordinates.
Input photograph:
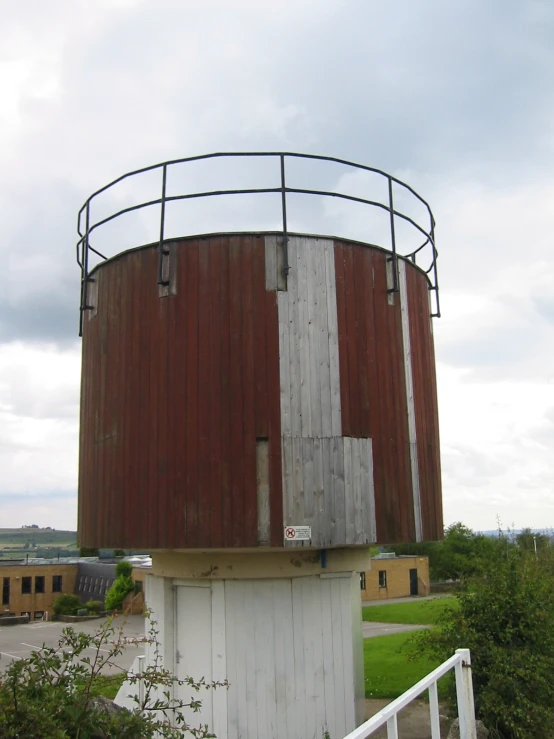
(413, 612)
(388, 672)
(108, 685)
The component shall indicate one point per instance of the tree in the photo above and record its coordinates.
(88, 552)
(506, 619)
(121, 586)
(53, 693)
(531, 541)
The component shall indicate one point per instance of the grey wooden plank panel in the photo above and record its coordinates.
(372, 514)
(407, 351)
(357, 491)
(332, 327)
(288, 479)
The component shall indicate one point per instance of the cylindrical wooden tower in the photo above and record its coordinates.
(249, 394)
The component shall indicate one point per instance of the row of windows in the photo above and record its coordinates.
(27, 586)
(382, 579)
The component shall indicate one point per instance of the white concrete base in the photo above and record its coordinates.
(290, 648)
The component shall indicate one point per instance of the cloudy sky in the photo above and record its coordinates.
(454, 97)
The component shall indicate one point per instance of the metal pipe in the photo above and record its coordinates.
(161, 251)
(286, 267)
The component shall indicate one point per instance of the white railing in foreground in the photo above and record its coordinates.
(461, 662)
(126, 694)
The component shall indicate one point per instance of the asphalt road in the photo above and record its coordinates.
(373, 628)
(17, 642)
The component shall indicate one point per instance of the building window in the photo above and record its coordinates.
(26, 584)
(56, 583)
(362, 580)
(39, 584)
(138, 586)
(26, 613)
(38, 616)
(6, 591)
(382, 578)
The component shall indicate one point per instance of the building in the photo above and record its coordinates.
(393, 576)
(31, 587)
(257, 409)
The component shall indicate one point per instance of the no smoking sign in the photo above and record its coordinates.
(298, 533)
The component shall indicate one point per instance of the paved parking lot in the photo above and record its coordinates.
(17, 642)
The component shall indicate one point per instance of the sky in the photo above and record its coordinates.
(454, 98)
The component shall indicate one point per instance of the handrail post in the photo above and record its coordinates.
(84, 268)
(394, 258)
(161, 251)
(464, 694)
(286, 266)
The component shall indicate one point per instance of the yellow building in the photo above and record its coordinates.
(31, 587)
(395, 577)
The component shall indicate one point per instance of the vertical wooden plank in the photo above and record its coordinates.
(412, 436)
(192, 370)
(342, 328)
(338, 452)
(276, 486)
(357, 491)
(260, 339)
(250, 521)
(349, 499)
(298, 513)
(311, 333)
(236, 390)
(262, 653)
(204, 490)
(285, 678)
(332, 327)
(295, 339)
(329, 685)
(219, 658)
(340, 670)
(174, 400)
(262, 481)
(319, 523)
(303, 346)
(359, 257)
(251, 676)
(234, 642)
(328, 514)
(163, 454)
(308, 480)
(324, 340)
(215, 247)
(178, 406)
(226, 402)
(270, 248)
(352, 347)
(286, 379)
(343, 585)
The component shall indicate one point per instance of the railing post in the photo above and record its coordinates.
(161, 251)
(286, 267)
(434, 712)
(394, 258)
(464, 694)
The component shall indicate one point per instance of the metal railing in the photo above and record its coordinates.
(461, 664)
(86, 226)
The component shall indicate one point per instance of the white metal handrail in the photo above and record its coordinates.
(461, 663)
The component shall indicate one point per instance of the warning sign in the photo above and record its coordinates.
(298, 533)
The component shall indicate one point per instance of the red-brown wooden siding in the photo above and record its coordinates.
(175, 392)
(373, 388)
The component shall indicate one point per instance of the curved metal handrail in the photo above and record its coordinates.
(83, 246)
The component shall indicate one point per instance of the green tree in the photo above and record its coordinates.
(88, 552)
(66, 604)
(531, 541)
(506, 619)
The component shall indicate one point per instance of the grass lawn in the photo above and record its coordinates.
(108, 685)
(388, 673)
(413, 612)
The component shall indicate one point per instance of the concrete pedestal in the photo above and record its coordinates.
(284, 628)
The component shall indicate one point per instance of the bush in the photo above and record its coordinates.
(52, 693)
(506, 619)
(115, 596)
(66, 605)
(123, 569)
(94, 606)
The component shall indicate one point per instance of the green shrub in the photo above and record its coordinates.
(506, 619)
(123, 569)
(66, 605)
(94, 606)
(115, 596)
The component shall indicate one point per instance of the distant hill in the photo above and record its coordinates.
(28, 540)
